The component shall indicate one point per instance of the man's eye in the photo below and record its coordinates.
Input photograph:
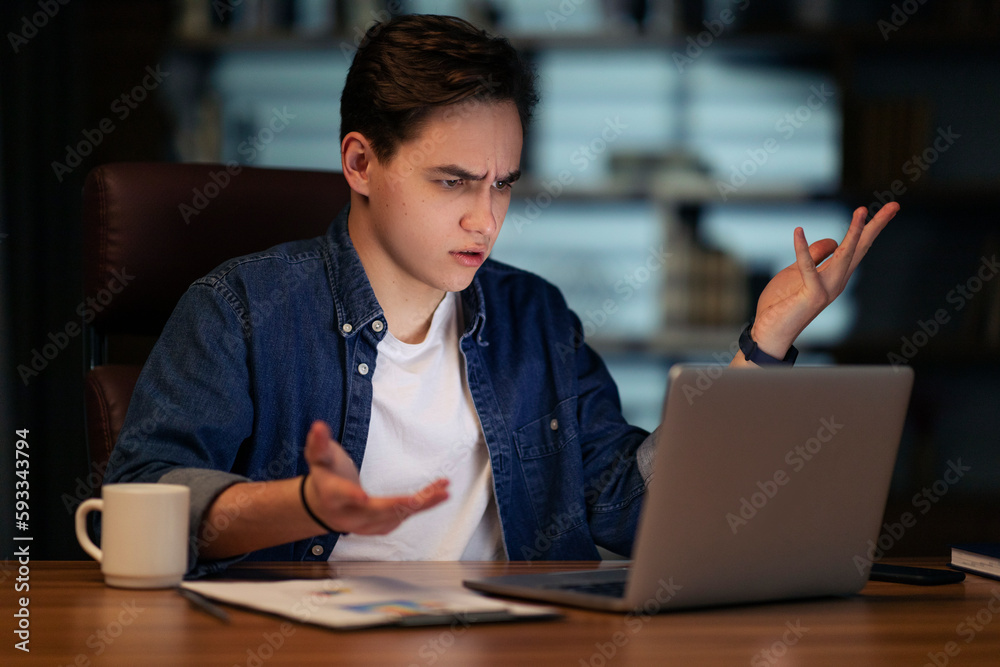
(452, 183)
(502, 185)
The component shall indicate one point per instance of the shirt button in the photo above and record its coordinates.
(377, 326)
(554, 424)
(317, 550)
(363, 369)
(347, 328)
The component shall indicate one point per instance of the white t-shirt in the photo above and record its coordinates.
(424, 426)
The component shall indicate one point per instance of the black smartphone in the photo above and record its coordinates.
(918, 576)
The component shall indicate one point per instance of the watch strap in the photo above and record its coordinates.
(753, 353)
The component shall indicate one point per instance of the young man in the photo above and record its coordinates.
(397, 344)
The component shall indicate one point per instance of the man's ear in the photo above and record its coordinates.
(357, 159)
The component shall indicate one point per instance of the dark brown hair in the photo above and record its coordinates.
(412, 64)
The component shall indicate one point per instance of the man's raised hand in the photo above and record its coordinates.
(800, 292)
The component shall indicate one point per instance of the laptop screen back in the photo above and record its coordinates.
(768, 484)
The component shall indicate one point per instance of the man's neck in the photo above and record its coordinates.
(408, 304)
(408, 320)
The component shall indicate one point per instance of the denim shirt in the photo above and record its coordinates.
(268, 343)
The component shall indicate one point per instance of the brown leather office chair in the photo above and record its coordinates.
(150, 230)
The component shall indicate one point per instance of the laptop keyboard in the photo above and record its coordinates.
(611, 589)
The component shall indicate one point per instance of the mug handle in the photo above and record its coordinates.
(85, 508)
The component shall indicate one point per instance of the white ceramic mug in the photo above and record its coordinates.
(144, 534)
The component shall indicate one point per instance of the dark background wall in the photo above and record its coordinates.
(54, 92)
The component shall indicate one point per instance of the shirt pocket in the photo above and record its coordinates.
(549, 434)
(549, 453)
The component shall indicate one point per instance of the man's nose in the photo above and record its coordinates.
(479, 217)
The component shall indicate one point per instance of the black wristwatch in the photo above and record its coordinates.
(753, 353)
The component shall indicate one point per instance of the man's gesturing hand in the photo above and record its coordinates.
(800, 292)
(333, 491)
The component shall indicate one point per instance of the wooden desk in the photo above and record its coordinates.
(76, 620)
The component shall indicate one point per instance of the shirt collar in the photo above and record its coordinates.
(354, 300)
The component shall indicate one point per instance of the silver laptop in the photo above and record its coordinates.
(769, 484)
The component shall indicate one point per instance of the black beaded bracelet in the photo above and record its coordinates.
(312, 515)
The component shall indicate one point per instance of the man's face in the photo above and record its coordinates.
(438, 204)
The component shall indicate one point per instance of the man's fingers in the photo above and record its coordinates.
(846, 251)
(427, 497)
(872, 229)
(324, 452)
(882, 218)
(821, 249)
(340, 495)
(318, 452)
(380, 515)
(424, 499)
(803, 258)
(343, 464)
(857, 227)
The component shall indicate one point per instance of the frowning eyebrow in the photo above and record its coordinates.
(466, 175)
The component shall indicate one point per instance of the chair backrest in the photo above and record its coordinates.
(151, 229)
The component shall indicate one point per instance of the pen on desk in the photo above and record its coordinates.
(203, 603)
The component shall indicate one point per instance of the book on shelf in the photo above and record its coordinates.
(981, 559)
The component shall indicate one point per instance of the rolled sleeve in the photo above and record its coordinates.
(205, 486)
(646, 456)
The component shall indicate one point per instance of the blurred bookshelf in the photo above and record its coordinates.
(676, 147)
